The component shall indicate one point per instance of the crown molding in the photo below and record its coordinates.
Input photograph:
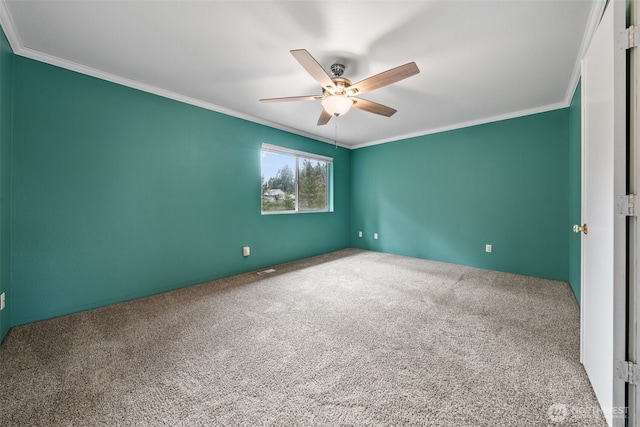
(471, 123)
(597, 10)
(82, 69)
(9, 27)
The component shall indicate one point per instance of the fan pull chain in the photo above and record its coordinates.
(335, 137)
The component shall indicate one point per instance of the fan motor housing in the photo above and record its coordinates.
(337, 69)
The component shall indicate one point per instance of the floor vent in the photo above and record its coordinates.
(267, 271)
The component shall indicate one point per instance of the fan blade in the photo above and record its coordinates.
(324, 118)
(292, 98)
(311, 65)
(373, 107)
(385, 78)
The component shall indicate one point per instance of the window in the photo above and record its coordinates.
(294, 181)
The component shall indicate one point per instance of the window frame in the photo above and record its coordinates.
(298, 155)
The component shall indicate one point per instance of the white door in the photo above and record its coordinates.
(603, 302)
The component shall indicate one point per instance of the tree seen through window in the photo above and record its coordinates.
(294, 183)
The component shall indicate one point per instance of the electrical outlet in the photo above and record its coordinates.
(359, 233)
(246, 251)
(488, 248)
(2, 301)
(375, 236)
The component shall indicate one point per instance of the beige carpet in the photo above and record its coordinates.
(348, 338)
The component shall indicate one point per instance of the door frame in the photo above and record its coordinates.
(633, 230)
(618, 399)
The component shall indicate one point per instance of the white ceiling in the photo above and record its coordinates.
(480, 61)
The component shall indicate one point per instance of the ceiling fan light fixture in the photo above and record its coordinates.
(338, 93)
(337, 105)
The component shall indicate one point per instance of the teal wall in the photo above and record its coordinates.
(108, 193)
(575, 188)
(444, 196)
(120, 194)
(6, 100)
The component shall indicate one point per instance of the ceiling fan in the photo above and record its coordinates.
(338, 93)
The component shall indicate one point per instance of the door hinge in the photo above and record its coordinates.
(632, 37)
(628, 372)
(625, 205)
